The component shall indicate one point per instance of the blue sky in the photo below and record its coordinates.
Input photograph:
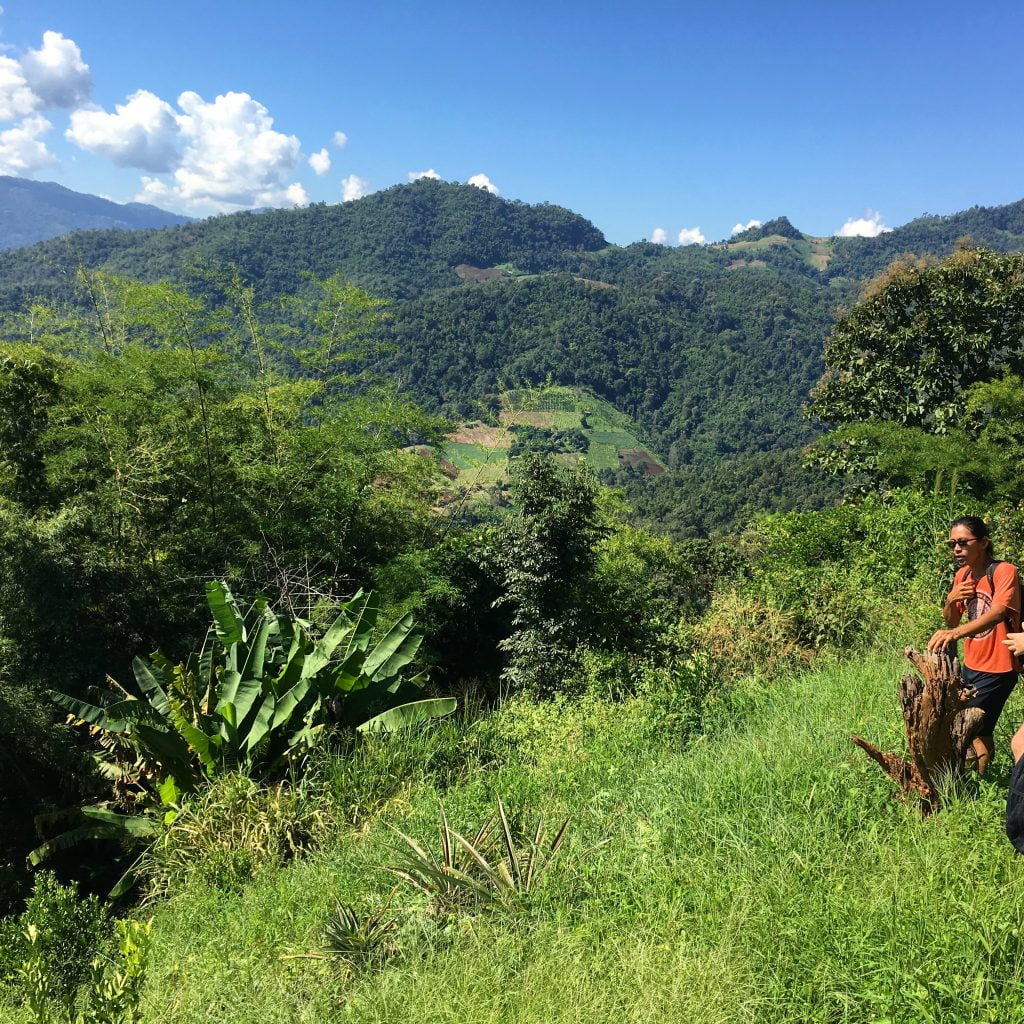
(684, 117)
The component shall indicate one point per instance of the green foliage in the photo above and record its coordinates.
(921, 334)
(233, 829)
(359, 938)
(115, 985)
(546, 553)
(537, 441)
(720, 497)
(869, 572)
(149, 439)
(495, 867)
(43, 768)
(258, 694)
(68, 931)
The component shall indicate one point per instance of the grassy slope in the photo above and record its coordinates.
(762, 875)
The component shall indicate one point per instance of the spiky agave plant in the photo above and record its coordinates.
(495, 866)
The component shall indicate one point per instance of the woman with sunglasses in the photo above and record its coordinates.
(992, 603)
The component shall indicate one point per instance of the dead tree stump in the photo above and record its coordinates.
(940, 728)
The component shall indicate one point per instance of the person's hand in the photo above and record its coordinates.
(963, 591)
(942, 640)
(1015, 641)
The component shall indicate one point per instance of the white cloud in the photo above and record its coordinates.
(320, 162)
(659, 236)
(143, 133)
(353, 187)
(868, 226)
(416, 175)
(296, 195)
(16, 97)
(737, 228)
(56, 72)
(22, 151)
(691, 236)
(339, 140)
(232, 159)
(52, 76)
(482, 181)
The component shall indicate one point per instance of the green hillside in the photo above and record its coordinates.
(710, 350)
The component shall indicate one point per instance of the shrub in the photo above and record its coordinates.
(230, 831)
(70, 930)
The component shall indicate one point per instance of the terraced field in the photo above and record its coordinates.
(479, 452)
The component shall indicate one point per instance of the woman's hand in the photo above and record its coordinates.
(1015, 641)
(963, 592)
(942, 639)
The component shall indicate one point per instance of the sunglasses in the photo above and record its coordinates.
(951, 544)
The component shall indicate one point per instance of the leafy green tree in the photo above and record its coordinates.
(546, 551)
(921, 334)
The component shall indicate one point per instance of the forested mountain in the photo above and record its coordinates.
(32, 211)
(711, 349)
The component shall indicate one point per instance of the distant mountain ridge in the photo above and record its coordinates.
(33, 211)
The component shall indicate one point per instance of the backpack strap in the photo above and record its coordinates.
(990, 573)
(1011, 619)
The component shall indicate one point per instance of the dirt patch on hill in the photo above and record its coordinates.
(479, 433)
(641, 460)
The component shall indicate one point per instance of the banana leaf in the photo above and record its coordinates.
(150, 685)
(104, 824)
(264, 625)
(134, 711)
(204, 745)
(88, 713)
(407, 715)
(226, 616)
(170, 750)
(396, 649)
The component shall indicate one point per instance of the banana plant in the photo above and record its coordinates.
(260, 692)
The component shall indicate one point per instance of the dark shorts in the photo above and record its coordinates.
(994, 689)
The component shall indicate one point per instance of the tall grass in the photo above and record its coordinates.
(762, 873)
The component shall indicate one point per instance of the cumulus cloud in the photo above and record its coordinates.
(868, 226)
(691, 236)
(659, 236)
(52, 76)
(353, 187)
(144, 132)
(16, 97)
(431, 173)
(22, 151)
(56, 72)
(320, 162)
(482, 181)
(232, 158)
(339, 140)
(737, 228)
(296, 195)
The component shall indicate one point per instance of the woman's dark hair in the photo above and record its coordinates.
(977, 526)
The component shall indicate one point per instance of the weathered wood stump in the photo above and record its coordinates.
(940, 728)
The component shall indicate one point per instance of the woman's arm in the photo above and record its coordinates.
(956, 601)
(945, 637)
